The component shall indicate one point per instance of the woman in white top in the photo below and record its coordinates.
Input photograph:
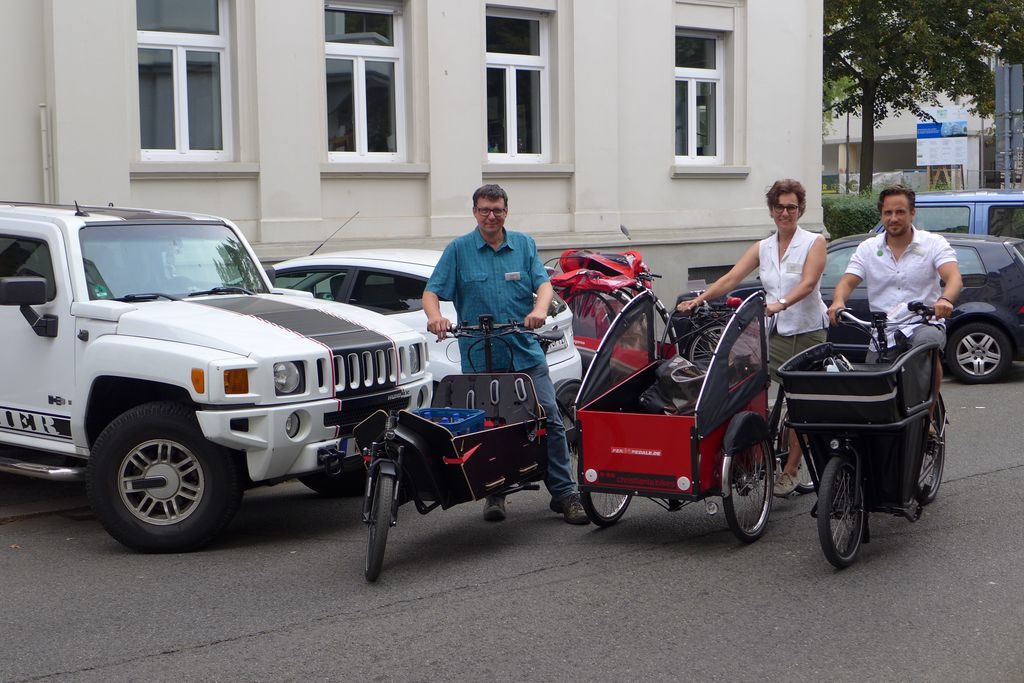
(789, 263)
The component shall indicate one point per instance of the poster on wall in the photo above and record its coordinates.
(943, 142)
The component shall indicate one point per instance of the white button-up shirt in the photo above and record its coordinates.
(892, 283)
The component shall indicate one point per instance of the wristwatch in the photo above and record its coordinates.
(785, 304)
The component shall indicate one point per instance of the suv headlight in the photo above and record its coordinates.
(287, 378)
(415, 359)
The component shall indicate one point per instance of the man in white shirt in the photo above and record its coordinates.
(902, 265)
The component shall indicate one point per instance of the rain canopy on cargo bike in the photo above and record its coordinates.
(735, 376)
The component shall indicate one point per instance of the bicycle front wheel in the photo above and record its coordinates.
(841, 514)
(604, 509)
(380, 523)
(750, 492)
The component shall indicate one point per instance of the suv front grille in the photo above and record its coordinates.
(357, 372)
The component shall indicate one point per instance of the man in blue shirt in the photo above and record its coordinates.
(493, 271)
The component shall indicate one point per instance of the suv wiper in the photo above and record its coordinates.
(146, 296)
(226, 289)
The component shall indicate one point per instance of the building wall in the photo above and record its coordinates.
(612, 96)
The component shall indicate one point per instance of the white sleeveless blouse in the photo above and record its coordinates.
(777, 278)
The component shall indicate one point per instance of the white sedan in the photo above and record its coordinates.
(391, 281)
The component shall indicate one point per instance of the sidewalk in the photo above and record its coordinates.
(24, 497)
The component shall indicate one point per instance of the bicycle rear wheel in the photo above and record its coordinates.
(704, 343)
(379, 524)
(805, 484)
(934, 459)
(749, 502)
(841, 514)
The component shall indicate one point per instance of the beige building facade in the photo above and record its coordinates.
(671, 117)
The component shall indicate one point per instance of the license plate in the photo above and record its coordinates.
(558, 345)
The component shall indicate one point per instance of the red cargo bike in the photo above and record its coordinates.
(718, 446)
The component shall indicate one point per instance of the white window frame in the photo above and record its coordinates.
(180, 44)
(511, 64)
(359, 55)
(692, 77)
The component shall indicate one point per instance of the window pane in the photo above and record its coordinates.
(324, 284)
(513, 36)
(156, 99)
(835, 266)
(380, 107)
(682, 119)
(341, 121)
(943, 218)
(706, 120)
(1006, 220)
(204, 112)
(969, 261)
(362, 28)
(179, 16)
(496, 124)
(528, 112)
(20, 256)
(695, 53)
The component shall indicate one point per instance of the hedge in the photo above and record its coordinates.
(849, 214)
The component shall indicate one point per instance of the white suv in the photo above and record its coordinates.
(391, 281)
(147, 354)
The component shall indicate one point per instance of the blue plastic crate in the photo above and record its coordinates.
(457, 420)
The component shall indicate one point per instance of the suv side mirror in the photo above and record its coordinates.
(271, 275)
(22, 291)
(27, 292)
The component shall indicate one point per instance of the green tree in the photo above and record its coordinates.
(902, 55)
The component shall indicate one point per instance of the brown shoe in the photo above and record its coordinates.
(572, 510)
(494, 508)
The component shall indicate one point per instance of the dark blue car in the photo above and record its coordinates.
(985, 334)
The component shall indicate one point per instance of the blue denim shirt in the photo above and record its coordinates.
(501, 282)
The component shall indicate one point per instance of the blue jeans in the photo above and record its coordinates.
(559, 480)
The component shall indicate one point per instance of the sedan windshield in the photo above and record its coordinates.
(168, 260)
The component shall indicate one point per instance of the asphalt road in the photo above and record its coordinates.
(660, 596)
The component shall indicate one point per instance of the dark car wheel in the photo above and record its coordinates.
(157, 485)
(979, 353)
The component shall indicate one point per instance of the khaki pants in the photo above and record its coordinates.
(781, 348)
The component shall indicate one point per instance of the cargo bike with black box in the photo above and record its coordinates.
(868, 432)
(715, 444)
(485, 434)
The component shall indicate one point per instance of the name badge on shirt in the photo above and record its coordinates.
(511, 276)
(794, 267)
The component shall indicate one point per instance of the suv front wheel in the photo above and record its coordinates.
(979, 353)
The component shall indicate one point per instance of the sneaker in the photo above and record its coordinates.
(785, 484)
(573, 510)
(494, 508)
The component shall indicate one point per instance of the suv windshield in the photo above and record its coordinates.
(173, 260)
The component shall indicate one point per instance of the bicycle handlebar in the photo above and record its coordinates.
(487, 329)
(919, 313)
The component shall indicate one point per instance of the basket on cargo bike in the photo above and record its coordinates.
(868, 433)
(484, 434)
(715, 445)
